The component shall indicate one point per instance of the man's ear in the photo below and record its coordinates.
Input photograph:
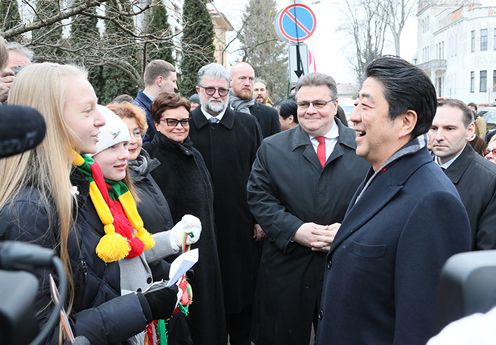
(197, 88)
(158, 81)
(408, 121)
(470, 132)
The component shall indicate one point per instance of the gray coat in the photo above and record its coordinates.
(288, 187)
(135, 272)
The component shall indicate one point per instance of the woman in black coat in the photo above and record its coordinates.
(46, 201)
(185, 182)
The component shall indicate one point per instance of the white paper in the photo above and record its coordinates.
(181, 265)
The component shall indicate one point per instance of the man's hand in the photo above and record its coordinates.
(5, 85)
(315, 236)
(258, 233)
(325, 246)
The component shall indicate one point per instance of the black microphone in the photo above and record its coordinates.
(21, 129)
(23, 256)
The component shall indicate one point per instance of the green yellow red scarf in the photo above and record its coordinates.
(118, 213)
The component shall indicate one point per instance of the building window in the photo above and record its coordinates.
(472, 81)
(494, 39)
(439, 86)
(440, 50)
(483, 39)
(483, 81)
(472, 41)
(494, 80)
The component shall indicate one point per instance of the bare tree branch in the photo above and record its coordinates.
(63, 14)
(367, 22)
(399, 11)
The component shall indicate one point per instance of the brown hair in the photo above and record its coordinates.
(130, 111)
(468, 115)
(166, 101)
(157, 68)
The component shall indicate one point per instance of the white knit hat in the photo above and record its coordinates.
(113, 132)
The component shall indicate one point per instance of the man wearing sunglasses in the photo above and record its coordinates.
(228, 142)
(300, 185)
(473, 176)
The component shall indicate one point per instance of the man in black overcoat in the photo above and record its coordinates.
(228, 142)
(473, 176)
(405, 220)
(241, 99)
(296, 197)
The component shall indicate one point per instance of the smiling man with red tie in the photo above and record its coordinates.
(300, 185)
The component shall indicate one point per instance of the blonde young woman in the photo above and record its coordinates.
(45, 199)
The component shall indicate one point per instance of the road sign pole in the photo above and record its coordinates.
(299, 66)
(294, 24)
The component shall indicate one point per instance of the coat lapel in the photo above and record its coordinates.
(381, 190)
(456, 170)
(199, 120)
(378, 194)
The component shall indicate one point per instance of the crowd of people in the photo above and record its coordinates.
(305, 227)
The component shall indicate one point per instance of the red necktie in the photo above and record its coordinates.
(321, 150)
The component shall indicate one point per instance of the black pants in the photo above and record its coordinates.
(238, 327)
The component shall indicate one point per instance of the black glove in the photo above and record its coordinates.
(162, 301)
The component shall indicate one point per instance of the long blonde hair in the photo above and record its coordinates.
(47, 167)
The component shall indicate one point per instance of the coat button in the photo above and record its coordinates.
(329, 264)
(149, 280)
(321, 314)
(307, 286)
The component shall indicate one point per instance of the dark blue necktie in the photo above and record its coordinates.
(213, 120)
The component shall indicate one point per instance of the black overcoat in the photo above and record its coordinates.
(98, 308)
(229, 149)
(475, 179)
(185, 182)
(288, 187)
(383, 267)
(267, 117)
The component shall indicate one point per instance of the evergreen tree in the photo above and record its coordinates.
(262, 49)
(9, 11)
(155, 23)
(197, 43)
(119, 71)
(45, 40)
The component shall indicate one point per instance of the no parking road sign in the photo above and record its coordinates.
(295, 23)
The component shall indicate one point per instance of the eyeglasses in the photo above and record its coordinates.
(210, 90)
(174, 122)
(319, 104)
(492, 152)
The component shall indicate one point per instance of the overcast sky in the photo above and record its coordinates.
(332, 48)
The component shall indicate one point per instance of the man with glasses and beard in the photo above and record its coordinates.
(228, 142)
